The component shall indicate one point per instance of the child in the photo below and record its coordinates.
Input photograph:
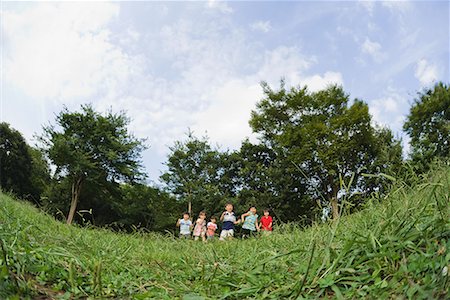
(200, 226)
(250, 220)
(266, 222)
(185, 225)
(228, 221)
(211, 227)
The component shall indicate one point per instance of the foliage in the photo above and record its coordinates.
(428, 125)
(40, 175)
(92, 147)
(396, 247)
(328, 139)
(15, 161)
(146, 207)
(198, 175)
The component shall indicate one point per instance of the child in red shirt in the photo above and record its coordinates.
(266, 222)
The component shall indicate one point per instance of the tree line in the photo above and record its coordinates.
(314, 150)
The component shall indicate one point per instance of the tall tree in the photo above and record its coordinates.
(428, 125)
(198, 175)
(15, 162)
(326, 136)
(90, 146)
(40, 174)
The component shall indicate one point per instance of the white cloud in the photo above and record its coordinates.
(318, 82)
(221, 6)
(226, 119)
(206, 80)
(369, 5)
(261, 26)
(390, 110)
(374, 50)
(62, 51)
(396, 6)
(425, 72)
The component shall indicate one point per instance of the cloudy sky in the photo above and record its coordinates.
(174, 66)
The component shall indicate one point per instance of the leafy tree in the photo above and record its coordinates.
(326, 137)
(199, 176)
(40, 174)
(146, 207)
(15, 162)
(267, 182)
(91, 147)
(428, 125)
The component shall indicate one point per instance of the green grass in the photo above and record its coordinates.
(397, 247)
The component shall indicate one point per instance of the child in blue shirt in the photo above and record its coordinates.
(185, 225)
(250, 220)
(228, 221)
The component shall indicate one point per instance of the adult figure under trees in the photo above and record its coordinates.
(90, 146)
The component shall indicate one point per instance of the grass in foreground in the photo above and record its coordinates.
(398, 248)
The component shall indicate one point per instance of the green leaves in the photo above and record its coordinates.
(89, 147)
(428, 125)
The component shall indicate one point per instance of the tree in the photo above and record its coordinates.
(40, 174)
(428, 125)
(194, 172)
(92, 147)
(15, 162)
(328, 139)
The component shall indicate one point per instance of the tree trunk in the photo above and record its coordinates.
(335, 208)
(334, 204)
(76, 189)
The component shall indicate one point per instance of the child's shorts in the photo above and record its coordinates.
(226, 233)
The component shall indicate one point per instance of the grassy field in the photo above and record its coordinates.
(398, 247)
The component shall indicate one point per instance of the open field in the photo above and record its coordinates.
(397, 247)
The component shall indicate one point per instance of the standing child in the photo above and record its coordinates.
(200, 227)
(211, 228)
(228, 221)
(250, 220)
(185, 225)
(266, 222)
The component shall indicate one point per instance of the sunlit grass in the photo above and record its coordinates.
(397, 246)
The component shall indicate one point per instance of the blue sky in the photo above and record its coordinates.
(174, 66)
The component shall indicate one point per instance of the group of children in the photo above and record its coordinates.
(207, 231)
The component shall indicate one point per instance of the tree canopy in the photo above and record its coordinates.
(15, 162)
(89, 146)
(328, 138)
(428, 125)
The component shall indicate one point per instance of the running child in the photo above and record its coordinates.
(250, 220)
(211, 228)
(228, 220)
(266, 222)
(185, 225)
(200, 227)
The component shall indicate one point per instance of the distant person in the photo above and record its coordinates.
(185, 225)
(228, 220)
(266, 222)
(211, 228)
(200, 227)
(250, 223)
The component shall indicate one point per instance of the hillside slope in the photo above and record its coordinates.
(396, 248)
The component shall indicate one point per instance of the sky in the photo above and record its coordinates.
(180, 66)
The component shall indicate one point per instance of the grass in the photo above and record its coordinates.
(397, 247)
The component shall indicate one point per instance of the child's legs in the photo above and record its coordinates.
(226, 234)
(185, 236)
